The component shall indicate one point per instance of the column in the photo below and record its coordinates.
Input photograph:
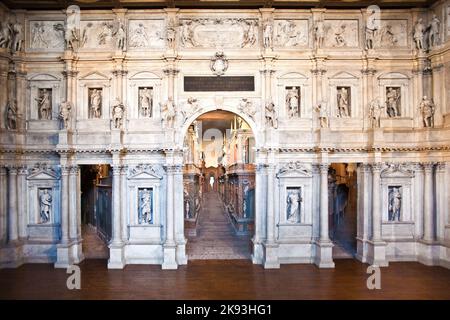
(376, 212)
(178, 212)
(22, 201)
(270, 204)
(72, 195)
(123, 215)
(428, 212)
(12, 205)
(65, 204)
(169, 207)
(324, 234)
(3, 204)
(116, 228)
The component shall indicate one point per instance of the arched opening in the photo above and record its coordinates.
(219, 186)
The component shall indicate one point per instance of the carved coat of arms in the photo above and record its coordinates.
(219, 64)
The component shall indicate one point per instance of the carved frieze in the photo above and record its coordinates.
(46, 35)
(291, 33)
(146, 34)
(144, 168)
(341, 33)
(97, 34)
(391, 34)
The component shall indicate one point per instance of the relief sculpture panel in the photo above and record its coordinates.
(47, 35)
(98, 34)
(291, 33)
(392, 34)
(341, 33)
(146, 34)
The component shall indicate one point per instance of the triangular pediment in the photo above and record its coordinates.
(295, 169)
(145, 75)
(95, 75)
(43, 175)
(397, 171)
(146, 171)
(293, 75)
(344, 75)
(394, 75)
(43, 77)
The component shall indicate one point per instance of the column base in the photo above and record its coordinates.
(324, 254)
(376, 253)
(258, 252)
(271, 260)
(11, 255)
(181, 253)
(170, 261)
(428, 252)
(68, 254)
(116, 256)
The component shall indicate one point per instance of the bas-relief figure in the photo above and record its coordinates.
(271, 115)
(247, 107)
(145, 102)
(65, 113)
(393, 102)
(187, 34)
(375, 111)
(96, 35)
(146, 34)
(45, 205)
(419, 34)
(118, 113)
(427, 109)
(171, 34)
(44, 102)
(145, 206)
(11, 115)
(250, 34)
(341, 33)
(169, 113)
(395, 203)
(18, 37)
(95, 103)
(322, 111)
(372, 25)
(120, 35)
(192, 106)
(293, 208)
(47, 35)
(319, 34)
(291, 33)
(5, 35)
(343, 101)
(293, 101)
(434, 31)
(268, 34)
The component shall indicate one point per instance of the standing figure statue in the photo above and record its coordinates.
(65, 113)
(45, 202)
(343, 102)
(145, 208)
(96, 103)
(371, 28)
(293, 206)
(392, 99)
(419, 33)
(395, 204)
(434, 33)
(17, 31)
(118, 114)
(292, 102)
(375, 110)
(5, 35)
(319, 34)
(120, 35)
(427, 109)
(145, 97)
(169, 113)
(44, 105)
(171, 34)
(322, 110)
(271, 115)
(268, 34)
(11, 115)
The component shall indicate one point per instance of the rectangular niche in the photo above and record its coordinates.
(395, 203)
(344, 101)
(44, 103)
(393, 101)
(294, 204)
(145, 102)
(293, 101)
(95, 100)
(145, 206)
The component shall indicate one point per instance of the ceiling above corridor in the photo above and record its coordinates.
(98, 4)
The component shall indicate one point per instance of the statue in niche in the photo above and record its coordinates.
(44, 104)
(5, 35)
(319, 34)
(146, 102)
(427, 109)
(45, 205)
(145, 207)
(11, 115)
(339, 36)
(120, 35)
(95, 99)
(65, 113)
(271, 116)
(293, 202)
(139, 36)
(322, 110)
(250, 34)
(434, 33)
(393, 102)
(245, 199)
(371, 28)
(268, 34)
(419, 34)
(187, 205)
(395, 203)
(293, 102)
(171, 34)
(375, 111)
(246, 106)
(169, 113)
(343, 98)
(118, 114)
(17, 31)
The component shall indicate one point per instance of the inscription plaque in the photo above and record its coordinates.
(229, 83)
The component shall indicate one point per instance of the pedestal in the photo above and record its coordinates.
(65, 137)
(376, 253)
(324, 254)
(258, 252)
(271, 260)
(116, 137)
(116, 256)
(11, 255)
(68, 254)
(169, 262)
(428, 252)
(181, 253)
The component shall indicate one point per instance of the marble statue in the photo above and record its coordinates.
(343, 102)
(171, 34)
(247, 107)
(319, 34)
(45, 205)
(427, 109)
(118, 113)
(17, 31)
(293, 102)
(271, 116)
(395, 203)
(5, 35)
(268, 35)
(145, 207)
(11, 115)
(65, 113)
(293, 201)
(120, 35)
(419, 34)
(169, 113)
(145, 102)
(44, 105)
(434, 31)
(73, 38)
(322, 110)
(95, 99)
(371, 28)
(187, 206)
(393, 102)
(375, 111)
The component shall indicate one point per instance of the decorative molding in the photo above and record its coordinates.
(294, 167)
(154, 170)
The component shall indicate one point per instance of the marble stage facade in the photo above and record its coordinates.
(315, 87)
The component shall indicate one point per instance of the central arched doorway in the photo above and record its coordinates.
(219, 186)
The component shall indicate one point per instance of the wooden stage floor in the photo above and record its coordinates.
(226, 279)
